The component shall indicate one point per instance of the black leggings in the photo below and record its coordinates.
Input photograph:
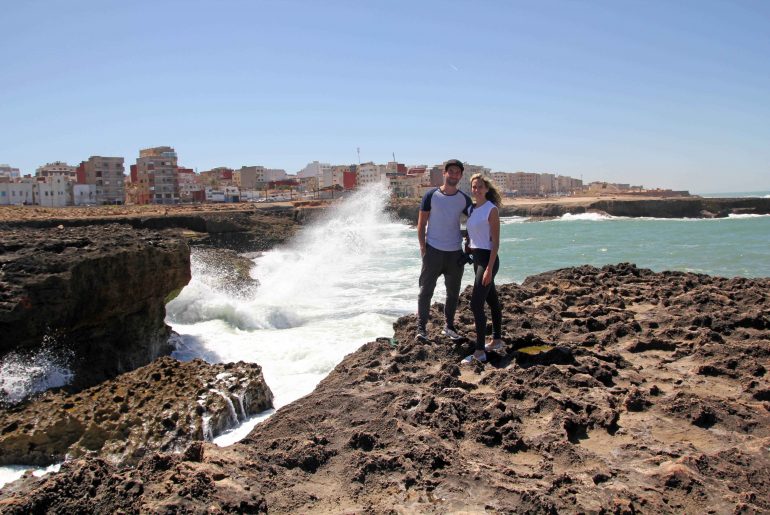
(486, 293)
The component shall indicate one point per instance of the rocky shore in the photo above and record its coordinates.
(621, 391)
(163, 406)
(236, 226)
(684, 207)
(94, 296)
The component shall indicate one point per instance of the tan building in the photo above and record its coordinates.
(57, 167)
(525, 183)
(501, 180)
(257, 177)
(107, 174)
(155, 176)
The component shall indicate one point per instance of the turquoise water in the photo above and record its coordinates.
(737, 246)
(737, 194)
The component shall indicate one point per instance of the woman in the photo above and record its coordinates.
(484, 235)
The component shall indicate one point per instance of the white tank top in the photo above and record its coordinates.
(478, 226)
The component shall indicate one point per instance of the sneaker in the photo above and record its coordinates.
(451, 333)
(422, 334)
(495, 345)
(468, 360)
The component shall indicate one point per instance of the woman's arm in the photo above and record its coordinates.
(494, 234)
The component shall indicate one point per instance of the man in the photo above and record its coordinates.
(441, 247)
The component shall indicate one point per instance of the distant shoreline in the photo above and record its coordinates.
(616, 205)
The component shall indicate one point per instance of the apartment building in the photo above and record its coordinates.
(155, 176)
(403, 185)
(524, 183)
(370, 173)
(501, 180)
(107, 175)
(218, 177)
(189, 184)
(9, 171)
(57, 167)
(255, 177)
(314, 169)
(547, 185)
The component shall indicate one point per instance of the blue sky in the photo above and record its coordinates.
(673, 94)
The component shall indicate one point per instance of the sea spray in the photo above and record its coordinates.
(339, 283)
(23, 374)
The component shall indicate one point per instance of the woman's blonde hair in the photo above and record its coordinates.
(493, 195)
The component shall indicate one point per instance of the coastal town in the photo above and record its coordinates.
(157, 177)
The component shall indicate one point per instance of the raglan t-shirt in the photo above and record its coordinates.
(443, 232)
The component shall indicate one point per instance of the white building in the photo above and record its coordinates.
(84, 194)
(314, 169)
(55, 191)
(369, 173)
(16, 193)
(223, 194)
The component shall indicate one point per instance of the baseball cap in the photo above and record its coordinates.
(455, 162)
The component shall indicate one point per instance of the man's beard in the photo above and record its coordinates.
(450, 181)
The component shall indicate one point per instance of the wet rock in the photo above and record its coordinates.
(163, 406)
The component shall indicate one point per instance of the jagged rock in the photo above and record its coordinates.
(586, 425)
(94, 294)
(162, 406)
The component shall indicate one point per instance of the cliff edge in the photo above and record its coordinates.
(95, 295)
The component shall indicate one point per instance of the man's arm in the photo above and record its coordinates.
(422, 223)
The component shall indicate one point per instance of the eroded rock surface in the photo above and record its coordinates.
(645, 393)
(163, 406)
(97, 291)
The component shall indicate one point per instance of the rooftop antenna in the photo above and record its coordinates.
(358, 151)
(394, 157)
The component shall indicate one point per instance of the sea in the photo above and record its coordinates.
(345, 278)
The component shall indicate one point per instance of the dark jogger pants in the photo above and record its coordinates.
(486, 294)
(435, 263)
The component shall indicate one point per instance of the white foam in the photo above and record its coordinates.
(239, 433)
(745, 215)
(505, 220)
(11, 473)
(592, 217)
(24, 375)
